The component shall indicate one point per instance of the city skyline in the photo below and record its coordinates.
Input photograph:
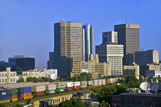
(32, 26)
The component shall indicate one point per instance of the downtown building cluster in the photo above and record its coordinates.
(118, 54)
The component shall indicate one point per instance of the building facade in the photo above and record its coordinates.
(67, 47)
(132, 70)
(88, 42)
(147, 57)
(113, 54)
(50, 63)
(21, 63)
(94, 66)
(8, 76)
(40, 73)
(109, 37)
(136, 100)
(3, 65)
(129, 36)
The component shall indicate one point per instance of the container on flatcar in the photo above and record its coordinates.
(100, 82)
(111, 80)
(60, 86)
(76, 85)
(95, 83)
(4, 93)
(90, 84)
(38, 88)
(103, 82)
(107, 81)
(4, 99)
(51, 87)
(69, 86)
(83, 84)
(26, 89)
(13, 92)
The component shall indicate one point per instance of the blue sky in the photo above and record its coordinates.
(26, 26)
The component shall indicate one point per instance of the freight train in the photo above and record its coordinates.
(28, 90)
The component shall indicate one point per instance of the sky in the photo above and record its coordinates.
(27, 26)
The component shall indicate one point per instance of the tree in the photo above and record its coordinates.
(104, 94)
(21, 80)
(132, 82)
(31, 79)
(73, 103)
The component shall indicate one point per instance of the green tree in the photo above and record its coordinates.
(31, 79)
(104, 94)
(21, 80)
(132, 82)
(73, 103)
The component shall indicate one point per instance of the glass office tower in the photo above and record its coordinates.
(88, 42)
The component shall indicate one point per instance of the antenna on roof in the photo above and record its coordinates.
(145, 86)
(154, 87)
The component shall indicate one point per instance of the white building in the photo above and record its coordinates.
(8, 76)
(112, 53)
(50, 73)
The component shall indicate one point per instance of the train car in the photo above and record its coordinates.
(4, 96)
(83, 84)
(95, 83)
(90, 84)
(14, 95)
(50, 88)
(107, 81)
(69, 86)
(38, 90)
(76, 85)
(100, 82)
(60, 87)
(26, 93)
(103, 82)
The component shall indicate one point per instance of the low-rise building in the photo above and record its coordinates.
(153, 73)
(131, 70)
(136, 100)
(143, 68)
(8, 76)
(41, 73)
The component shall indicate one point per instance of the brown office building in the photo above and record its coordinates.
(67, 47)
(129, 36)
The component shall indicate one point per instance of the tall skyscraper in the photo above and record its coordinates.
(109, 37)
(67, 47)
(88, 42)
(129, 36)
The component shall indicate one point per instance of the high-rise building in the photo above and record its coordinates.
(88, 42)
(129, 36)
(50, 63)
(21, 63)
(113, 54)
(147, 57)
(67, 47)
(109, 37)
